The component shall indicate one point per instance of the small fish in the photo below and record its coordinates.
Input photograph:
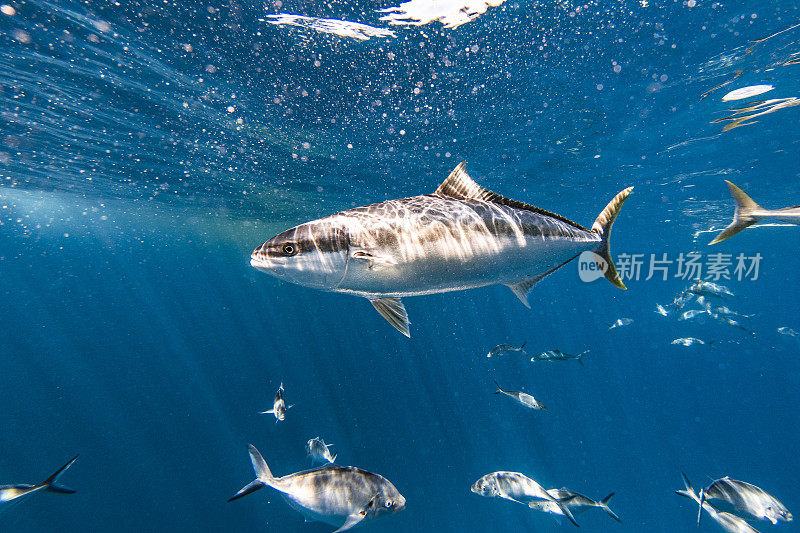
(747, 92)
(621, 322)
(10, 493)
(342, 496)
(725, 311)
(748, 212)
(682, 299)
(687, 341)
(501, 349)
(278, 406)
(522, 398)
(519, 488)
(788, 331)
(661, 310)
(558, 355)
(709, 289)
(462, 236)
(728, 321)
(729, 522)
(319, 451)
(747, 498)
(691, 313)
(576, 503)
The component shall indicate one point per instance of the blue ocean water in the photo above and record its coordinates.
(146, 148)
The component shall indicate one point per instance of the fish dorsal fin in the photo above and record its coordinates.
(461, 186)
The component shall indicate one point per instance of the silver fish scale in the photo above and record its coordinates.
(332, 490)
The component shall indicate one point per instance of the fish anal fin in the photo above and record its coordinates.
(461, 186)
(352, 520)
(393, 310)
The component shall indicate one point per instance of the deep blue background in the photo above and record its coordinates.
(134, 332)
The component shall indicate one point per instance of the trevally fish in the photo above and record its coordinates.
(342, 496)
(748, 212)
(691, 313)
(279, 406)
(747, 498)
(687, 341)
(319, 451)
(729, 522)
(558, 355)
(9, 493)
(577, 503)
(661, 310)
(621, 322)
(501, 349)
(709, 289)
(784, 330)
(460, 237)
(522, 398)
(518, 488)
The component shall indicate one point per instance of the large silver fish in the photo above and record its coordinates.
(9, 493)
(342, 496)
(576, 503)
(519, 488)
(729, 522)
(748, 212)
(747, 498)
(460, 237)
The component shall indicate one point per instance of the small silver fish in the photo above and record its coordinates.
(576, 503)
(788, 331)
(728, 321)
(621, 322)
(725, 311)
(278, 406)
(558, 355)
(342, 496)
(729, 522)
(501, 349)
(691, 313)
(519, 488)
(661, 310)
(522, 398)
(319, 451)
(747, 498)
(687, 341)
(682, 299)
(709, 289)
(9, 493)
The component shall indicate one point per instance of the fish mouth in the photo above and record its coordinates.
(260, 261)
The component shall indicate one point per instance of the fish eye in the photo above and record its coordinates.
(389, 504)
(289, 249)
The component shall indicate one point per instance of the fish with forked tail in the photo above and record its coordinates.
(729, 522)
(576, 503)
(9, 493)
(279, 406)
(748, 212)
(558, 355)
(342, 496)
(460, 237)
(522, 398)
(748, 498)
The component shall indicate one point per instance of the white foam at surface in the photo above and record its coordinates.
(342, 28)
(451, 13)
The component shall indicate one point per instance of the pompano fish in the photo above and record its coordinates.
(522, 398)
(576, 503)
(460, 237)
(319, 451)
(518, 488)
(747, 498)
(748, 212)
(729, 522)
(709, 289)
(558, 355)
(620, 322)
(687, 341)
(342, 496)
(279, 406)
(9, 493)
(505, 348)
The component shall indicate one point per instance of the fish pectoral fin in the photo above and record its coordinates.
(352, 520)
(393, 310)
(374, 260)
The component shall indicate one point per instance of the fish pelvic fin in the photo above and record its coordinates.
(604, 506)
(499, 388)
(700, 507)
(567, 512)
(50, 484)
(393, 310)
(263, 479)
(602, 226)
(743, 216)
